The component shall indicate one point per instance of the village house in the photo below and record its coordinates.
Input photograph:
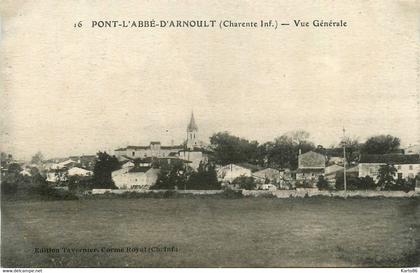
(76, 171)
(278, 178)
(408, 166)
(268, 175)
(229, 172)
(412, 149)
(61, 173)
(137, 177)
(311, 165)
(331, 171)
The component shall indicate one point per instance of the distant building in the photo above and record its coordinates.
(408, 166)
(67, 164)
(155, 149)
(194, 156)
(138, 177)
(275, 177)
(311, 165)
(229, 172)
(192, 150)
(268, 175)
(336, 160)
(413, 149)
(192, 135)
(76, 171)
(332, 170)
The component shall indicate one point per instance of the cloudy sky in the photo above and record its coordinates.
(67, 91)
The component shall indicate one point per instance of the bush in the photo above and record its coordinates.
(352, 182)
(367, 183)
(204, 179)
(8, 188)
(322, 183)
(401, 185)
(245, 182)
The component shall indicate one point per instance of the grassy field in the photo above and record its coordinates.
(211, 232)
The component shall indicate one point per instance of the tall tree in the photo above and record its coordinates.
(37, 158)
(104, 166)
(381, 144)
(386, 175)
(284, 151)
(352, 149)
(232, 149)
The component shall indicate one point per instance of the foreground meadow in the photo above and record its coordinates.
(213, 232)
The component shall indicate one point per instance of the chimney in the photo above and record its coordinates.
(172, 142)
(300, 151)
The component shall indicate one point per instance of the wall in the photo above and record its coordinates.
(120, 191)
(316, 192)
(279, 193)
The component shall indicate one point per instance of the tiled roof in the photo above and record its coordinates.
(311, 160)
(249, 166)
(137, 147)
(390, 159)
(139, 169)
(309, 170)
(172, 147)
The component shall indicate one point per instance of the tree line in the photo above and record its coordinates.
(283, 151)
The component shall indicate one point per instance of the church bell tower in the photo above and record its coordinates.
(192, 134)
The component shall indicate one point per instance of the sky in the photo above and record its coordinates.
(68, 91)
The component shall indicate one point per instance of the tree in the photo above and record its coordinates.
(284, 151)
(386, 176)
(404, 184)
(174, 176)
(14, 168)
(367, 183)
(381, 144)
(245, 182)
(352, 149)
(298, 136)
(104, 166)
(232, 149)
(37, 158)
(204, 179)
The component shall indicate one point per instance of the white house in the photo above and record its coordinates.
(268, 174)
(408, 166)
(127, 164)
(229, 172)
(65, 164)
(413, 149)
(138, 177)
(75, 171)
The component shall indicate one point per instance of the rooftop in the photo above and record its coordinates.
(390, 158)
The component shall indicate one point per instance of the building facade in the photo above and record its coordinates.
(408, 166)
(192, 151)
(311, 165)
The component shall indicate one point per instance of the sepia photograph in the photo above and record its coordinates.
(210, 134)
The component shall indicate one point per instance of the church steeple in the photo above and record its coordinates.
(192, 134)
(192, 126)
